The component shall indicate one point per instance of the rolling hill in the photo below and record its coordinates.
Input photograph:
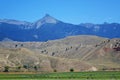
(83, 53)
(24, 60)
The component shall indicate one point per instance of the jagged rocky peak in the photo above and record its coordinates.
(46, 19)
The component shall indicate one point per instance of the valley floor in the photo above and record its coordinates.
(98, 75)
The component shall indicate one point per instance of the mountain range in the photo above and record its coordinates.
(49, 28)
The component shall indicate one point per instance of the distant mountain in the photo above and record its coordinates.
(49, 28)
(47, 19)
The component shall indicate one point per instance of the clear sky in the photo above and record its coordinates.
(71, 11)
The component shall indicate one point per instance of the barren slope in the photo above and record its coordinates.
(97, 51)
(22, 59)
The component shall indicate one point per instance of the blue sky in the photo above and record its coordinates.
(71, 11)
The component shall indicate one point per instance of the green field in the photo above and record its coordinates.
(108, 75)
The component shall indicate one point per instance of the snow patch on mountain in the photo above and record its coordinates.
(9, 21)
(46, 19)
(96, 28)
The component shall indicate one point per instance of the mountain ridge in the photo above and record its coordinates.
(49, 28)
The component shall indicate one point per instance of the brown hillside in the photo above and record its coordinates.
(22, 59)
(97, 51)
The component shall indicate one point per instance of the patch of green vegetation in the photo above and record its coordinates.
(103, 75)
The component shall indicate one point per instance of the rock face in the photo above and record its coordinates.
(81, 53)
(49, 28)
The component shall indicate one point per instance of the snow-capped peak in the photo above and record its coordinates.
(46, 19)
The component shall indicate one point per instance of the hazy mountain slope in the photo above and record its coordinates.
(49, 28)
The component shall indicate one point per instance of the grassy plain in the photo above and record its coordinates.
(99, 75)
